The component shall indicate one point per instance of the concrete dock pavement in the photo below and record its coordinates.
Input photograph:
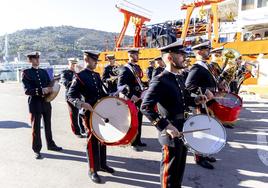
(242, 163)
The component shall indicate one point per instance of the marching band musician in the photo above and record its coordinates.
(150, 70)
(216, 70)
(167, 91)
(234, 87)
(160, 68)
(88, 84)
(66, 79)
(36, 85)
(200, 76)
(109, 76)
(130, 76)
(185, 71)
(216, 57)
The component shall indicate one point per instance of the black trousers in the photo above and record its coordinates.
(172, 165)
(137, 140)
(96, 151)
(234, 87)
(36, 130)
(76, 119)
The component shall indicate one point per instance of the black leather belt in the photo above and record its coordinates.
(182, 116)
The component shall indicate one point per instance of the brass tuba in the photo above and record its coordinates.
(229, 66)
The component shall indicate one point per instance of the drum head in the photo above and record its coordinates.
(118, 113)
(230, 100)
(204, 142)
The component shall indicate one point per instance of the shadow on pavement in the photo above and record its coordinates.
(136, 172)
(13, 125)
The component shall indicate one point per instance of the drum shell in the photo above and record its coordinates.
(224, 113)
(131, 133)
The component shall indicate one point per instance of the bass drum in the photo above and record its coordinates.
(205, 142)
(122, 127)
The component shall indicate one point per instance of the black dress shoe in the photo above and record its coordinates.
(136, 148)
(81, 135)
(107, 169)
(211, 159)
(94, 177)
(142, 144)
(229, 126)
(205, 164)
(37, 155)
(54, 148)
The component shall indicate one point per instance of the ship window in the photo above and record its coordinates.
(262, 3)
(247, 4)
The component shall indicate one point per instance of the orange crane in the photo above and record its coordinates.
(190, 7)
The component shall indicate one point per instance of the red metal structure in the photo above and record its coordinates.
(138, 21)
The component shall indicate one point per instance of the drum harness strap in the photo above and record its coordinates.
(135, 75)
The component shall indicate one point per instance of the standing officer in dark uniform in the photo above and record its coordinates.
(167, 91)
(160, 68)
(130, 76)
(66, 79)
(36, 85)
(88, 84)
(200, 76)
(150, 70)
(110, 74)
(186, 70)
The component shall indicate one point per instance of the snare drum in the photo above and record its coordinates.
(204, 142)
(227, 107)
(122, 127)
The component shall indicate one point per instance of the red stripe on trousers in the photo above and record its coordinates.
(166, 161)
(90, 155)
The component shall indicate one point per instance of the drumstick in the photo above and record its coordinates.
(106, 120)
(196, 130)
(204, 105)
(186, 132)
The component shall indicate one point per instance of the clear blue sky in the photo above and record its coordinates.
(96, 14)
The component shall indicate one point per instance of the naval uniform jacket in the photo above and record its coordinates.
(66, 79)
(150, 72)
(33, 81)
(108, 73)
(199, 76)
(88, 84)
(126, 77)
(167, 90)
(157, 71)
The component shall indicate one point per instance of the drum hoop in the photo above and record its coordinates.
(234, 95)
(241, 100)
(224, 131)
(91, 114)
